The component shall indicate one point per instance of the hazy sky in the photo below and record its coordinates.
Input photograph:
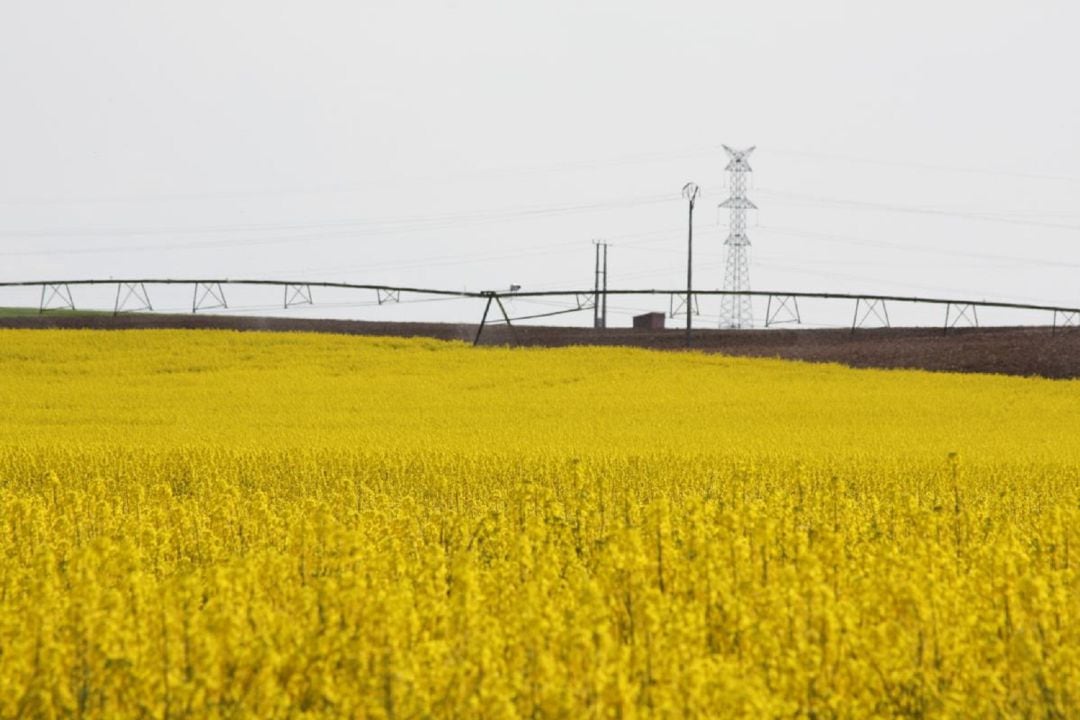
(910, 148)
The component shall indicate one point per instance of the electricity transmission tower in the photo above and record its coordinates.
(736, 311)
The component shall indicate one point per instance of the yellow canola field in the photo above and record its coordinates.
(213, 524)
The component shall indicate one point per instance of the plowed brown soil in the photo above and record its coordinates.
(1014, 351)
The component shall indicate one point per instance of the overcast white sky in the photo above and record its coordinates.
(910, 148)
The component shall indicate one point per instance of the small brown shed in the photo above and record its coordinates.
(649, 321)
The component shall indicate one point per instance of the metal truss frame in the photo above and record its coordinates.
(677, 304)
(964, 312)
(60, 291)
(494, 297)
(297, 295)
(585, 301)
(385, 296)
(874, 307)
(132, 290)
(1069, 319)
(784, 303)
(212, 297)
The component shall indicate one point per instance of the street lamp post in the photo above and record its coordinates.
(690, 192)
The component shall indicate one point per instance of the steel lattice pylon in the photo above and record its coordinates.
(736, 311)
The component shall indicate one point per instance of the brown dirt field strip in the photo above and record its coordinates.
(1013, 351)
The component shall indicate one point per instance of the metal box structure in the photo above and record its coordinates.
(649, 321)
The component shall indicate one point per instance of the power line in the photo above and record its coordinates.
(403, 224)
(910, 209)
(541, 168)
(927, 166)
(849, 240)
(444, 260)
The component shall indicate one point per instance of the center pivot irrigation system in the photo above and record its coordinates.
(782, 306)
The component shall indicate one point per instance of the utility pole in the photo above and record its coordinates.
(603, 313)
(600, 285)
(690, 192)
(596, 287)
